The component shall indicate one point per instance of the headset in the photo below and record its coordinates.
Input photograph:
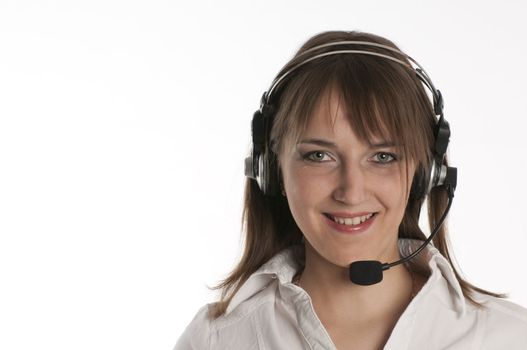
(261, 165)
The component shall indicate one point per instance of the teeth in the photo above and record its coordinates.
(354, 221)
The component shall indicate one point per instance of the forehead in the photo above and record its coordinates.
(331, 118)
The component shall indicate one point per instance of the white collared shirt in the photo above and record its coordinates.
(270, 312)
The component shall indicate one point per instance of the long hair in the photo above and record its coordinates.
(382, 98)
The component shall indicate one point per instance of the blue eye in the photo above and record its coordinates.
(385, 158)
(315, 156)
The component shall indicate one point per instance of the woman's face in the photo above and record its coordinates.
(331, 173)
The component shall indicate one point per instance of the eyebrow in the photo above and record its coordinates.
(325, 143)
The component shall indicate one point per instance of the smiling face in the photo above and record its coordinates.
(331, 175)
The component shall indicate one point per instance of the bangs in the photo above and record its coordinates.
(382, 99)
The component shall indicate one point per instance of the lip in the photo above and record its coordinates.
(350, 229)
(342, 214)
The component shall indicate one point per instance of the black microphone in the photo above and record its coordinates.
(368, 272)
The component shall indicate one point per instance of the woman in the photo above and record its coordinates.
(346, 148)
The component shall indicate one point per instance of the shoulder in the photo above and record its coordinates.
(237, 329)
(500, 310)
(505, 324)
(506, 308)
(256, 302)
(197, 334)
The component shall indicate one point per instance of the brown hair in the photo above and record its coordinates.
(382, 98)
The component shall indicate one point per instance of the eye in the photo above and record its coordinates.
(385, 158)
(315, 156)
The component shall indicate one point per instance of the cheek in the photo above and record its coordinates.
(307, 186)
(305, 193)
(398, 196)
(300, 192)
(393, 192)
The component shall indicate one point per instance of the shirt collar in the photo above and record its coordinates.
(282, 267)
(441, 272)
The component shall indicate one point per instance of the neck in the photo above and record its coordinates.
(337, 301)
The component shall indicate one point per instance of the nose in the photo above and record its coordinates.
(351, 186)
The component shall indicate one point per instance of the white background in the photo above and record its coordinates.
(124, 125)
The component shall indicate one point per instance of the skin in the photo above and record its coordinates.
(350, 177)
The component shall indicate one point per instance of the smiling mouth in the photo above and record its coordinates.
(350, 221)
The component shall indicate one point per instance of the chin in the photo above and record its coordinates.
(341, 258)
(345, 261)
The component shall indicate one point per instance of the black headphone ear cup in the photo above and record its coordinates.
(419, 184)
(268, 171)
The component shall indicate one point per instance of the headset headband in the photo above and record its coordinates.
(420, 72)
